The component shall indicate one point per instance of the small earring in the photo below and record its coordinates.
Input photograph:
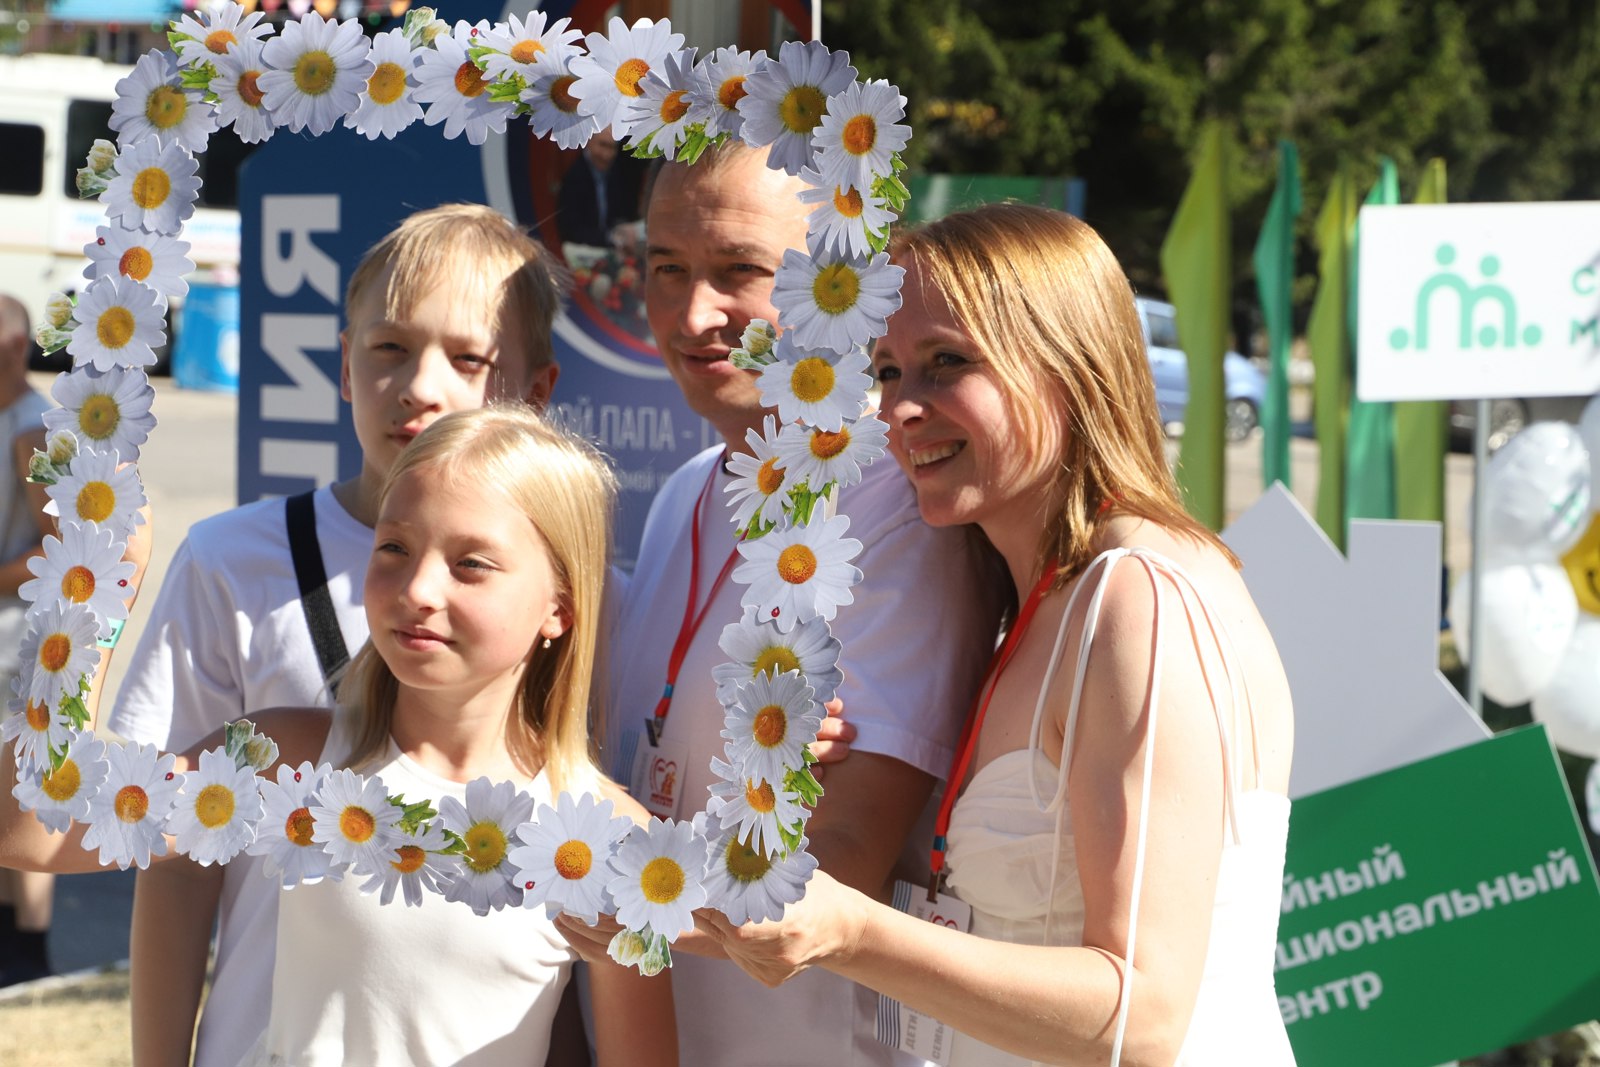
(547, 642)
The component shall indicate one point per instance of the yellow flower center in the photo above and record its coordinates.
(54, 652)
(96, 501)
(847, 202)
(770, 726)
(859, 135)
(297, 827)
(249, 91)
(674, 107)
(63, 782)
(165, 106)
(662, 880)
(731, 91)
(38, 716)
(745, 863)
(357, 824)
(801, 108)
(99, 416)
(115, 326)
(760, 797)
(826, 445)
(769, 479)
(151, 187)
(469, 80)
(217, 42)
(836, 288)
(776, 660)
(386, 83)
(629, 74)
(811, 379)
(214, 806)
(573, 859)
(131, 803)
(526, 51)
(561, 94)
(77, 584)
(412, 857)
(315, 73)
(797, 564)
(486, 846)
(136, 263)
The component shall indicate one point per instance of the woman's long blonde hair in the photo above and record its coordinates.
(1051, 308)
(568, 492)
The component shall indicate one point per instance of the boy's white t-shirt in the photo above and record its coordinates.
(228, 635)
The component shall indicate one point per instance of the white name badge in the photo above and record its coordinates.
(906, 1028)
(657, 775)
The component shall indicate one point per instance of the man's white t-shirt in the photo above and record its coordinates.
(228, 636)
(915, 643)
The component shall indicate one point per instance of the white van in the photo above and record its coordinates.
(52, 108)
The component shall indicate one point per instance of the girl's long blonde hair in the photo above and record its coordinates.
(568, 492)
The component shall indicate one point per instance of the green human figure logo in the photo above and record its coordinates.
(1468, 297)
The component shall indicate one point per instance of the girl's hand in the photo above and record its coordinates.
(589, 942)
(833, 738)
(823, 928)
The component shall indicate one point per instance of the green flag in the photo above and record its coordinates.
(1328, 333)
(1274, 263)
(1195, 261)
(1422, 427)
(1369, 478)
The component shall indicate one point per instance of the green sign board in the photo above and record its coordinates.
(1440, 910)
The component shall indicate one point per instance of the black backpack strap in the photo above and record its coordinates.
(312, 576)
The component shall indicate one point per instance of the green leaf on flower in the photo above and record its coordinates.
(77, 712)
(477, 52)
(455, 847)
(412, 816)
(645, 149)
(507, 90)
(173, 37)
(695, 142)
(791, 837)
(198, 77)
(803, 782)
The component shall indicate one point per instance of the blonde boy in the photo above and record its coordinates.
(450, 311)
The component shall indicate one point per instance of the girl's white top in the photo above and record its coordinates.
(1011, 852)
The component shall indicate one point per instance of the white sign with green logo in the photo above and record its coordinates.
(1463, 301)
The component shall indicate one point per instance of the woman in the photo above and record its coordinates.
(1120, 816)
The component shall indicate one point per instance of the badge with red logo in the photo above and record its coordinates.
(656, 780)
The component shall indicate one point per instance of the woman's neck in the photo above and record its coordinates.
(1018, 545)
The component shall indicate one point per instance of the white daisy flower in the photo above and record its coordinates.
(785, 100)
(224, 30)
(860, 134)
(564, 859)
(59, 649)
(241, 102)
(485, 824)
(759, 648)
(718, 88)
(216, 813)
(754, 808)
(154, 259)
(82, 566)
(151, 103)
(352, 819)
(769, 725)
(61, 796)
(833, 301)
(524, 48)
(106, 411)
(556, 113)
(315, 72)
(154, 188)
(750, 887)
(760, 483)
(128, 813)
(664, 111)
(456, 91)
(617, 61)
(96, 489)
(818, 456)
(815, 386)
(386, 103)
(660, 871)
(284, 834)
(801, 573)
(35, 726)
(120, 323)
(420, 864)
(844, 216)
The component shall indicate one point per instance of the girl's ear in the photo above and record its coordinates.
(557, 624)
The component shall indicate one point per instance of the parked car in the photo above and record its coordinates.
(1244, 385)
(1507, 417)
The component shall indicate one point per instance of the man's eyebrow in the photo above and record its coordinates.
(731, 251)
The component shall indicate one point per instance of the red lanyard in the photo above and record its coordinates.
(691, 619)
(974, 724)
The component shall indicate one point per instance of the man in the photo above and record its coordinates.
(914, 642)
(598, 193)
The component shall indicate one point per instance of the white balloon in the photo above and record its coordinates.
(1569, 703)
(1537, 493)
(1591, 796)
(1589, 431)
(1529, 613)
